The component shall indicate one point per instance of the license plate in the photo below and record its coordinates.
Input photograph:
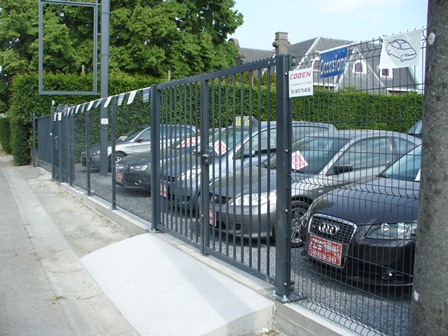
(163, 190)
(212, 217)
(119, 177)
(325, 250)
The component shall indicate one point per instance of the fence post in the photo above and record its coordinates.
(89, 186)
(283, 229)
(205, 158)
(429, 307)
(71, 118)
(112, 157)
(60, 139)
(155, 155)
(52, 141)
(34, 141)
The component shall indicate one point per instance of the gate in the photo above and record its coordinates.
(228, 163)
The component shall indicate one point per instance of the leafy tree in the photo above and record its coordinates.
(147, 37)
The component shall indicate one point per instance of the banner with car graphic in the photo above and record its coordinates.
(401, 50)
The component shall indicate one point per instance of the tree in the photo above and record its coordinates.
(147, 37)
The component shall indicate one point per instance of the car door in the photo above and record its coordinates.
(256, 149)
(363, 159)
(142, 142)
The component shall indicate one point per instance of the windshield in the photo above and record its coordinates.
(226, 140)
(131, 134)
(311, 155)
(407, 168)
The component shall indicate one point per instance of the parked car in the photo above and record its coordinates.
(245, 203)
(137, 140)
(134, 170)
(416, 129)
(366, 231)
(233, 148)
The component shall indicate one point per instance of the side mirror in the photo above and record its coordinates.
(341, 169)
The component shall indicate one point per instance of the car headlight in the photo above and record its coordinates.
(190, 173)
(136, 168)
(256, 199)
(392, 231)
(95, 152)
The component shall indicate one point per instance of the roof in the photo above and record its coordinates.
(366, 53)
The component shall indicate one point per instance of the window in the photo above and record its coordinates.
(367, 153)
(386, 73)
(360, 67)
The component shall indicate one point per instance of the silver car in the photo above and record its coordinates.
(232, 149)
(244, 203)
(137, 141)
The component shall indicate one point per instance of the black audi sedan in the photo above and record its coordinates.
(366, 232)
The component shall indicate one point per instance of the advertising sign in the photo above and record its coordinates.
(333, 62)
(301, 82)
(401, 51)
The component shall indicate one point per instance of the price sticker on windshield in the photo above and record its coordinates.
(219, 147)
(188, 142)
(298, 161)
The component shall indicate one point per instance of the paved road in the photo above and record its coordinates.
(45, 290)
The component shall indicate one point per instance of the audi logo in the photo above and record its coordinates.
(328, 228)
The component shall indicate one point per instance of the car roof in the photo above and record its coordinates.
(360, 133)
(271, 124)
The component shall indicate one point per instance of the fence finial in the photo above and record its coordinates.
(281, 43)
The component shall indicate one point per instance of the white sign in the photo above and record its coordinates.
(401, 51)
(301, 82)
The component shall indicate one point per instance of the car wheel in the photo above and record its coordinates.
(298, 209)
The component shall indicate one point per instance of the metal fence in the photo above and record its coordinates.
(229, 163)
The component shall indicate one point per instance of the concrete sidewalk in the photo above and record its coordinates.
(147, 284)
(69, 265)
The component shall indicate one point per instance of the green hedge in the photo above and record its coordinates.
(5, 135)
(25, 100)
(347, 109)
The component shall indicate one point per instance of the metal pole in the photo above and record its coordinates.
(52, 142)
(206, 156)
(283, 246)
(429, 306)
(155, 155)
(34, 141)
(113, 166)
(104, 50)
(89, 184)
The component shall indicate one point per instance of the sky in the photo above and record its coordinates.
(354, 20)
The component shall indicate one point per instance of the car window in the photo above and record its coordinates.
(406, 168)
(146, 135)
(315, 153)
(260, 142)
(367, 153)
(403, 146)
(226, 140)
(299, 132)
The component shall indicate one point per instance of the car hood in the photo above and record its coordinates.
(137, 158)
(380, 200)
(238, 183)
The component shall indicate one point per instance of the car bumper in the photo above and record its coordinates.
(246, 222)
(368, 261)
(180, 195)
(132, 180)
